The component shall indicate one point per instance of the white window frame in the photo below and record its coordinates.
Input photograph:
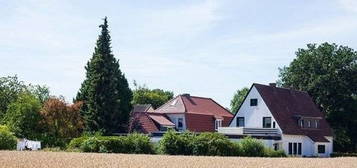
(217, 123)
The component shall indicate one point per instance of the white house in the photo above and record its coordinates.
(283, 119)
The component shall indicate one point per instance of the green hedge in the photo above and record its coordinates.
(213, 144)
(7, 139)
(339, 154)
(133, 143)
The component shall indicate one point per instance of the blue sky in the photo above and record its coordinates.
(204, 47)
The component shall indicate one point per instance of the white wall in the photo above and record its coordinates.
(253, 115)
(307, 148)
(174, 119)
(328, 148)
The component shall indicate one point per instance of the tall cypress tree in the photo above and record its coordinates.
(105, 91)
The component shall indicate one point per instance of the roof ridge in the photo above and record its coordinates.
(290, 89)
(183, 102)
(167, 102)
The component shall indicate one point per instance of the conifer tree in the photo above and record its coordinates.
(105, 92)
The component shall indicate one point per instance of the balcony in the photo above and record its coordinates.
(249, 131)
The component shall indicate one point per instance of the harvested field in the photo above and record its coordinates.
(68, 159)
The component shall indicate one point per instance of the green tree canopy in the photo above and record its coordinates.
(329, 74)
(238, 99)
(23, 117)
(11, 87)
(105, 91)
(155, 97)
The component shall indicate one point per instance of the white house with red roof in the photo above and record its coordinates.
(283, 119)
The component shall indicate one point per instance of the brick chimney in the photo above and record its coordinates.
(272, 84)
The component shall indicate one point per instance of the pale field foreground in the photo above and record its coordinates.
(39, 159)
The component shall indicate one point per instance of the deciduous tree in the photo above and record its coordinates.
(329, 74)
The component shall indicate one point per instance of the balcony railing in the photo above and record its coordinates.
(249, 131)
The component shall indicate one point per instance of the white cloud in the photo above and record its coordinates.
(349, 5)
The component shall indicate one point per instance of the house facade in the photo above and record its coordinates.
(283, 119)
(183, 113)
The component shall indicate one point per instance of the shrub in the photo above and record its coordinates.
(252, 147)
(92, 144)
(269, 152)
(173, 143)
(77, 142)
(139, 143)
(339, 154)
(133, 143)
(7, 139)
(214, 144)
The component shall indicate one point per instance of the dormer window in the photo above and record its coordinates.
(253, 102)
(301, 123)
(316, 124)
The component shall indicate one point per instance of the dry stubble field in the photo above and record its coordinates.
(38, 159)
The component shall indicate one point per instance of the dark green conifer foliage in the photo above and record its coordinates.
(105, 91)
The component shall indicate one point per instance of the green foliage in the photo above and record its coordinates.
(329, 74)
(339, 154)
(22, 116)
(269, 152)
(133, 143)
(10, 89)
(238, 99)
(252, 147)
(155, 97)
(105, 91)
(77, 142)
(173, 143)
(7, 139)
(214, 144)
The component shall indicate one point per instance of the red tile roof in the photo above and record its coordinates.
(200, 112)
(161, 119)
(287, 104)
(194, 104)
(141, 122)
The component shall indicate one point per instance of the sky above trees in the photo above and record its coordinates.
(205, 48)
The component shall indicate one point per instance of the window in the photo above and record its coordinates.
(276, 146)
(299, 148)
(302, 123)
(295, 148)
(179, 123)
(253, 102)
(217, 123)
(274, 124)
(240, 121)
(266, 122)
(321, 148)
(316, 123)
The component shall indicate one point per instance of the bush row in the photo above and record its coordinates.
(213, 144)
(339, 154)
(173, 143)
(133, 143)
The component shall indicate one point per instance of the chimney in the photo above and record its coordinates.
(185, 94)
(272, 84)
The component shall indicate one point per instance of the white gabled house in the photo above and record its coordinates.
(283, 119)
